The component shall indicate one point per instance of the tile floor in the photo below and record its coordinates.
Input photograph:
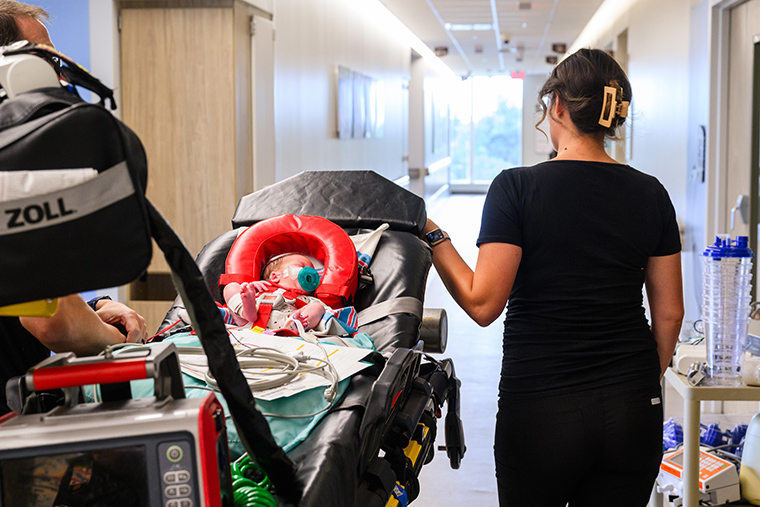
(477, 357)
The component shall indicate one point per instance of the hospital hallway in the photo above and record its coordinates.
(476, 353)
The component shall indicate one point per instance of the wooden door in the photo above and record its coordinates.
(187, 96)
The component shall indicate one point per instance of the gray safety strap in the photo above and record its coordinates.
(404, 304)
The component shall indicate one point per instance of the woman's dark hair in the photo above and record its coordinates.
(579, 80)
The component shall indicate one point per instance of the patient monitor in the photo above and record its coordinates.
(163, 451)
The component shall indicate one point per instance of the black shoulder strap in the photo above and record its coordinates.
(207, 322)
(66, 68)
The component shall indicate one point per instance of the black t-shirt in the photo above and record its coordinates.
(19, 351)
(575, 317)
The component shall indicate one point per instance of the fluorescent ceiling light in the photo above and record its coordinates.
(464, 27)
(376, 13)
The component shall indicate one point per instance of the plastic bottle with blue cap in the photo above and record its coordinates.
(726, 298)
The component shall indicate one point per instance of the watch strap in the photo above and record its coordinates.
(93, 303)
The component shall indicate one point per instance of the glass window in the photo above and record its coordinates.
(461, 130)
(486, 127)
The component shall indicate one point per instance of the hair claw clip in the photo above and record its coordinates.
(611, 107)
(608, 107)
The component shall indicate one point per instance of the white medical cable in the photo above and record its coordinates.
(302, 367)
(285, 368)
(310, 337)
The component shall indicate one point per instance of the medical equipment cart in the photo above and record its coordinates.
(692, 396)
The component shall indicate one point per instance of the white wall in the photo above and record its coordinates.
(658, 59)
(694, 220)
(311, 39)
(658, 68)
(105, 60)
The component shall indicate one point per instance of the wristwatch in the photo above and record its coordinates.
(93, 303)
(435, 237)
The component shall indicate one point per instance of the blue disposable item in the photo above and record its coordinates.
(735, 437)
(711, 435)
(306, 276)
(672, 434)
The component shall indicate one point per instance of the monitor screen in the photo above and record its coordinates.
(103, 477)
(677, 459)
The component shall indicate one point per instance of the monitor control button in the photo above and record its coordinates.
(174, 453)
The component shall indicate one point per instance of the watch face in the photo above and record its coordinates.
(434, 236)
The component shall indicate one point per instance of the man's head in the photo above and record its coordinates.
(19, 21)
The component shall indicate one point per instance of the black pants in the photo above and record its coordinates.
(588, 449)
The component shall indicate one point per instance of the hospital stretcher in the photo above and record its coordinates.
(380, 433)
(392, 406)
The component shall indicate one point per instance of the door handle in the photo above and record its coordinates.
(742, 206)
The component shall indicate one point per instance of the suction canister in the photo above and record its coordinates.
(726, 286)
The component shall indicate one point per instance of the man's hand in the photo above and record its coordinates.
(76, 328)
(121, 316)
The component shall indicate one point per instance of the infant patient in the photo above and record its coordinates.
(288, 284)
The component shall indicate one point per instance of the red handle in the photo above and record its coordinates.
(83, 374)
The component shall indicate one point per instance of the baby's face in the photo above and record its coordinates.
(287, 275)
